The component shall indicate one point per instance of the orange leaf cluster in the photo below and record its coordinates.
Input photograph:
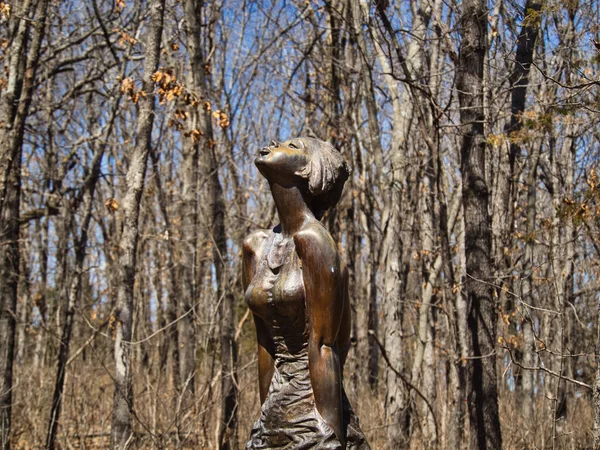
(125, 37)
(510, 340)
(180, 114)
(496, 140)
(127, 85)
(112, 205)
(169, 88)
(191, 99)
(175, 124)
(195, 134)
(119, 5)
(587, 205)
(221, 119)
(592, 180)
(128, 88)
(4, 10)
(3, 47)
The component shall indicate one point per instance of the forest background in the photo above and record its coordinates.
(128, 130)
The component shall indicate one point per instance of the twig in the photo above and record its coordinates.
(238, 331)
(543, 369)
(405, 381)
(88, 342)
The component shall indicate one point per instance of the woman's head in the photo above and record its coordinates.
(326, 173)
(315, 164)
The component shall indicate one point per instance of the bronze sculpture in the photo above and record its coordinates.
(297, 289)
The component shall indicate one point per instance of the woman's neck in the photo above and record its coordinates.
(292, 209)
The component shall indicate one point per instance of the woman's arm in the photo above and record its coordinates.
(266, 365)
(323, 283)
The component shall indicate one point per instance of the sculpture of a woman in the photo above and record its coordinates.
(297, 289)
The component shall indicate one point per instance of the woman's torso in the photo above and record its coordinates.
(276, 294)
(289, 418)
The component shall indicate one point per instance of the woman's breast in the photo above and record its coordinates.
(276, 294)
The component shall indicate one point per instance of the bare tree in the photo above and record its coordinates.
(482, 388)
(86, 196)
(122, 432)
(14, 110)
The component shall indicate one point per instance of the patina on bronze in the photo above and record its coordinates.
(297, 289)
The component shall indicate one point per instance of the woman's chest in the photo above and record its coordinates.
(277, 288)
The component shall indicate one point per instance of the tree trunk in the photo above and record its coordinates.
(481, 307)
(14, 110)
(75, 288)
(41, 299)
(596, 386)
(187, 269)
(173, 294)
(216, 227)
(10, 98)
(9, 277)
(527, 287)
(23, 306)
(519, 81)
(397, 216)
(121, 434)
(425, 332)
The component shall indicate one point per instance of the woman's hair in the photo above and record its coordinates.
(326, 173)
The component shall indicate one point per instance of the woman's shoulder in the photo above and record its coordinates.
(314, 237)
(255, 241)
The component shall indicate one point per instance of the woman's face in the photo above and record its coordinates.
(280, 162)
